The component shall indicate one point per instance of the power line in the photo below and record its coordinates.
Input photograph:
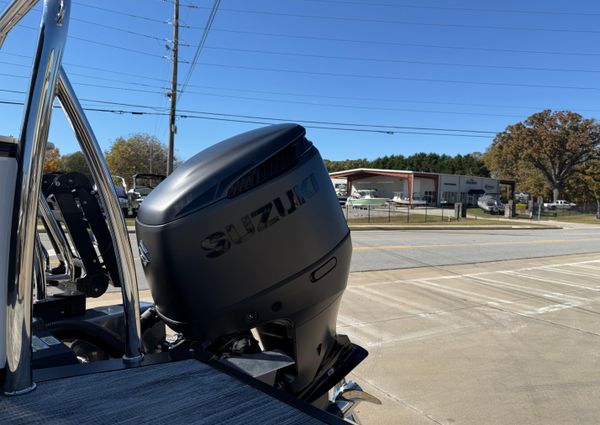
(304, 94)
(94, 68)
(151, 37)
(388, 132)
(385, 77)
(375, 99)
(462, 9)
(192, 113)
(523, 51)
(355, 58)
(364, 108)
(137, 83)
(413, 23)
(205, 33)
(327, 105)
(364, 59)
(113, 46)
(296, 102)
(394, 43)
(349, 124)
(121, 13)
(72, 37)
(94, 85)
(344, 40)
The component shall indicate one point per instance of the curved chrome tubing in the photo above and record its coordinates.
(30, 159)
(116, 221)
(39, 268)
(13, 14)
(53, 229)
(49, 80)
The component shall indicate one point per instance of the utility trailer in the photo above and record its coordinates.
(63, 362)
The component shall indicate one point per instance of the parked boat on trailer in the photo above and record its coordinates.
(365, 198)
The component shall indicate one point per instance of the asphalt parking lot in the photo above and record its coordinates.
(510, 342)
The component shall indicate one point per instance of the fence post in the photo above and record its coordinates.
(389, 213)
(426, 213)
(369, 213)
(408, 214)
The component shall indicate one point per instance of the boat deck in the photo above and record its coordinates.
(181, 392)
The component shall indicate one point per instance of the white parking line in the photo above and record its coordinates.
(528, 289)
(473, 296)
(571, 272)
(546, 280)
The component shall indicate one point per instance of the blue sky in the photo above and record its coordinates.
(465, 65)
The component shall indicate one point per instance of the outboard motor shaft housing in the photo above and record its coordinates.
(249, 234)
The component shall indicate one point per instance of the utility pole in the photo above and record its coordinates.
(173, 94)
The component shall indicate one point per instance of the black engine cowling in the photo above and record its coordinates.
(249, 234)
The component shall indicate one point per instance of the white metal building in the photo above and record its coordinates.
(437, 188)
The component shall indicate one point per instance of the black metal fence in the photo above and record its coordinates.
(583, 213)
(404, 214)
(397, 214)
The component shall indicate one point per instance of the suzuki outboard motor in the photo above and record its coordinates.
(249, 234)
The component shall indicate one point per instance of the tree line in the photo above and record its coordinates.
(471, 164)
(136, 154)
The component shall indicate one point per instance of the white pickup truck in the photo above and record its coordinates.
(559, 204)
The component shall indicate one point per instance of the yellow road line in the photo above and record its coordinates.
(454, 245)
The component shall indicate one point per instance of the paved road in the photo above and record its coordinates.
(384, 250)
(391, 249)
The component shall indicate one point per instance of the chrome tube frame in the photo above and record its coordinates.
(12, 15)
(116, 221)
(30, 159)
(39, 263)
(49, 80)
(54, 231)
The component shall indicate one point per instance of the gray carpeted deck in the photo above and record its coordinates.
(184, 392)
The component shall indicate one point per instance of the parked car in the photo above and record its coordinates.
(491, 203)
(560, 204)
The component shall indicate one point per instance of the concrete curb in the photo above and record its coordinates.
(450, 227)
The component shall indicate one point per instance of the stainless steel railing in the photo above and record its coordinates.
(57, 237)
(49, 80)
(30, 159)
(106, 190)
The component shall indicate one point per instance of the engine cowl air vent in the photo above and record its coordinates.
(277, 164)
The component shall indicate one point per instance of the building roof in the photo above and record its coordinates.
(357, 171)
(379, 171)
